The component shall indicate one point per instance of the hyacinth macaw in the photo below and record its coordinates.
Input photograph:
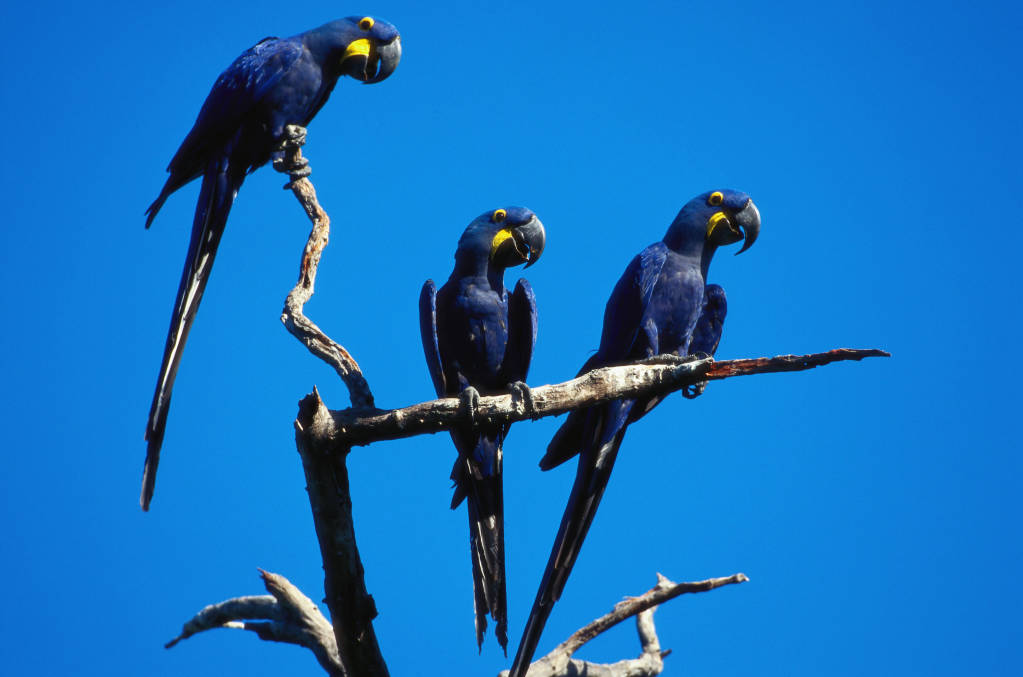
(660, 305)
(240, 127)
(479, 339)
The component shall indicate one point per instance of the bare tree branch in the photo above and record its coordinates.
(659, 376)
(318, 343)
(559, 662)
(664, 591)
(286, 615)
(351, 606)
(352, 609)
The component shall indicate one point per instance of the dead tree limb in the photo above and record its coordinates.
(559, 662)
(285, 615)
(659, 376)
(352, 609)
(324, 438)
(301, 327)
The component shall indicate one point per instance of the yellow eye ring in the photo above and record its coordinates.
(715, 198)
(366, 22)
(498, 216)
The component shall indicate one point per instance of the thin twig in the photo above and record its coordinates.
(311, 336)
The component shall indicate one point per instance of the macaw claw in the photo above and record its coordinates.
(470, 398)
(525, 395)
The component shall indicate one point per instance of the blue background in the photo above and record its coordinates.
(875, 506)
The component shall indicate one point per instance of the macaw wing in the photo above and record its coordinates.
(428, 332)
(706, 337)
(238, 90)
(521, 333)
(623, 320)
(707, 334)
(625, 311)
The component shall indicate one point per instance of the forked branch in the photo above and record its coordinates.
(559, 662)
(285, 615)
(352, 609)
(324, 438)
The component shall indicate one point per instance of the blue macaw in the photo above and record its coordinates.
(660, 305)
(477, 338)
(240, 127)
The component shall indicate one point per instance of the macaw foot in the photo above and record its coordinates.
(691, 392)
(294, 136)
(470, 398)
(288, 159)
(525, 396)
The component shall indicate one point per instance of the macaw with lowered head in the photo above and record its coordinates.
(662, 304)
(240, 127)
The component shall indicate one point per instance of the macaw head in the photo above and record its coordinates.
(715, 218)
(363, 47)
(502, 238)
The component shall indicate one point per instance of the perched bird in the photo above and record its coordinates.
(655, 308)
(240, 126)
(477, 338)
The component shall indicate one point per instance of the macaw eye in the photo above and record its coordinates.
(366, 23)
(498, 216)
(715, 198)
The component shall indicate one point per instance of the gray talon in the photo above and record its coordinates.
(525, 395)
(470, 398)
(287, 159)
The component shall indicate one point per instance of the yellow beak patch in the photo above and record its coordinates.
(714, 220)
(358, 48)
(499, 239)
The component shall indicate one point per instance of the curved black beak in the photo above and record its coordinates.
(519, 244)
(530, 239)
(749, 220)
(383, 60)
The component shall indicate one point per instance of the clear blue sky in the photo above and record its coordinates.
(875, 506)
